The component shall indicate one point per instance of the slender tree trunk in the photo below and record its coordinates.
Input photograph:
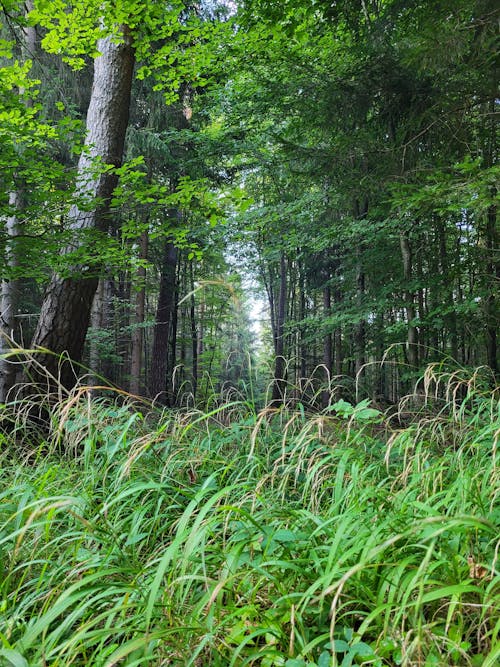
(493, 279)
(11, 292)
(172, 355)
(422, 343)
(492, 318)
(360, 212)
(338, 339)
(139, 318)
(302, 316)
(450, 317)
(164, 315)
(194, 334)
(96, 323)
(11, 286)
(360, 332)
(327, 344)
(278, 393)
(65, 314)
(412, 337)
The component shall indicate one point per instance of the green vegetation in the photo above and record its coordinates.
(234, 537)
(249, 308)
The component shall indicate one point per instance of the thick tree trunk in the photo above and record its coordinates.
(65, 314)
(164, 316)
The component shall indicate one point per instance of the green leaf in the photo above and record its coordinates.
(340, 646)
(14, 657)
(362, 649)
(325, 659)
(284, 535)
(343, 408)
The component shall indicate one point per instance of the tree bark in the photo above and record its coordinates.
(493, 278)
(194, 335)
(360, 331)
(360, 213)
(65, 313)
(139, 317)
(450, 317)
(278, 393)
(164, 317)
(327, 345)
(11, 286)
(11, 291)
(412, 336)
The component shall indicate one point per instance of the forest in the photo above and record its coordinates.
(249, 310)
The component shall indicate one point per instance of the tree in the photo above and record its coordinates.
(65, 314)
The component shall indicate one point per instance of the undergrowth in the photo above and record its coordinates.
(236, 538)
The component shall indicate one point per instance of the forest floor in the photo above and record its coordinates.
(237, 537)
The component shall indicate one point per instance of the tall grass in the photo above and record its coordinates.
(235, 538)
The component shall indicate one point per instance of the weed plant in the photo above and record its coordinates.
(235, 538)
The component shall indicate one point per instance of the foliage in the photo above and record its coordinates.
(240, 538)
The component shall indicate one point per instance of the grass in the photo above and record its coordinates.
(234, 538)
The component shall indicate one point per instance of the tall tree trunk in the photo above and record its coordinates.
(164, 316)
(11, 286)
(422, 346)
(172, 353)
(65, 314)
(96, 323)
(327, 344)
(338, 354)
(360, 213)
(360, 331)
(194, 334)
(302, 317)
(11, 291)
(450, 317)
(493, 280)
(278, 393)
(412, 336)
(139, 317)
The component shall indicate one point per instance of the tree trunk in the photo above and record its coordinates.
(194, 335)
(139, 317)
(360, 332)
(412, 336)
(493, 279)
(164, 315)
(11, 291)
(65, 313)
(11, 286)
(278, 393)
(450, 317)
(302, 317)
(96, 323)
(360, 213)
(327, 345)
